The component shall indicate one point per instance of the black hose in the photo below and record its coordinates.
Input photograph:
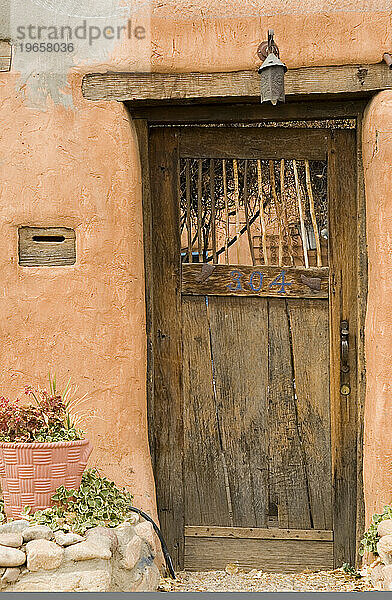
(169, 562)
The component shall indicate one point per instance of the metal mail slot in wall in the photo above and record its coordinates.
(46, 246)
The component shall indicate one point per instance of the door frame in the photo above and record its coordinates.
(169, 115)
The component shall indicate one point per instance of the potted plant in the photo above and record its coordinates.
(41, 448)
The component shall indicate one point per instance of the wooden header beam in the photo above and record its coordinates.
(5, 55)
(145, 88)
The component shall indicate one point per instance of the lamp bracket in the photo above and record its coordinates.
(268, 47)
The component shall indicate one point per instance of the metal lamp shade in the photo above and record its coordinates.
(272, 79)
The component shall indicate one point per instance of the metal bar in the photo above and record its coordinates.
(261, 210)
(313, 213)
(227, 225)
(213, 212)
(188, 207)
(199, 207)
(284, 212)
(251, 249)
(301, 215)
(278, 211)
(237, 208)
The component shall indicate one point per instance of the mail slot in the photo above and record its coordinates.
(46, 246)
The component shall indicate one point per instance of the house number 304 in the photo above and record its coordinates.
(256, 282)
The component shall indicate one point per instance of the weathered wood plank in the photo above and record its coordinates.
(288, 481)
(5, 55)
(136, 87)
(230, 280)
(309, 324)
(46, 246)
(142, 133)
(250, 112)
(343, 223)
(205, 487)
(167, 438)
(238, 327)
(272, 533)
(285, 556)
(253, 143)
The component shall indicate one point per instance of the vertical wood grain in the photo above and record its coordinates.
(167, 435)
(342, 190)
(309, 324)
(240, 355)
(204, 477)
(288, 480)
(142, 132)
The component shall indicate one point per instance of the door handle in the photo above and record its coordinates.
(344, 333)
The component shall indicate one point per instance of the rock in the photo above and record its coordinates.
(145, 531)
(150, 580)
(78, 581)
(133, 519)
(11, 557)
(43, 554)
(131, 553)
(386, 582)
(144, 577)
(67, 539)
(377, 576)
(384, 527)
(124, 533)
(14, 526)
(125, 581)
(88, 550)
(103, 535)
(384, 549)
(13, 540)
(37, 532)
(84, 565)
(11, 575)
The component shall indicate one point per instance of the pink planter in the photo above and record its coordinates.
(30, 473)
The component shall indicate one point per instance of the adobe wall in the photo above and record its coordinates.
(74, 163)
(377, 157)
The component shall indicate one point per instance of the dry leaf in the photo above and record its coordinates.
(232, 569)
(164, 585)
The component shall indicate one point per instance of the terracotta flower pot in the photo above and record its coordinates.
(31, 472)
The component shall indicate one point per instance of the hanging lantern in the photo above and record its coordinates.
(271, 72)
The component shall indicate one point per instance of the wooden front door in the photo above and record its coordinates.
(252, 411)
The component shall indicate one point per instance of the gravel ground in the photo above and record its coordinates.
(258, 581)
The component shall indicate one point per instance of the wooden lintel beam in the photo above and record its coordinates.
(175, 87)
(5, 55)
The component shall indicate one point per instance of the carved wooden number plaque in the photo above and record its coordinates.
(227, 280)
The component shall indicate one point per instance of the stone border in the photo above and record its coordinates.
(36, 559)
(381, 568)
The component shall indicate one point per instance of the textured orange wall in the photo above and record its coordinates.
(78, 167)
(377, 156)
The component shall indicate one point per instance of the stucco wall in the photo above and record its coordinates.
(377, 157)
(78, 168)
(75, 164)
